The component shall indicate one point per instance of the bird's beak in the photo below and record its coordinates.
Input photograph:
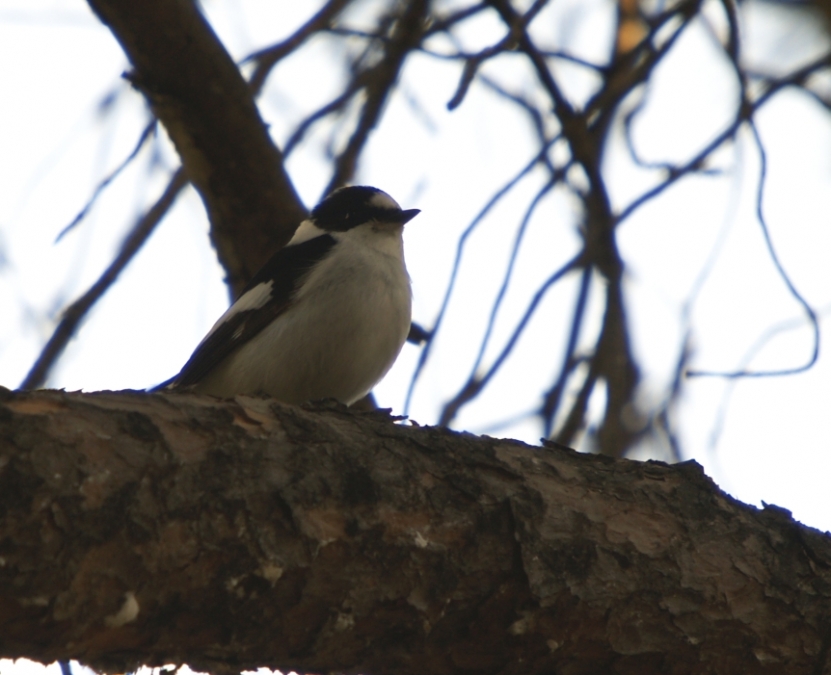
(408, 215)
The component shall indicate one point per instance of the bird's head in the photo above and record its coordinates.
(351, 207)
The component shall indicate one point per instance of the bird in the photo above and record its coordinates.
(325, 317)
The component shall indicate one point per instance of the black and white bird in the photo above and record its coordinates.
(325, 317)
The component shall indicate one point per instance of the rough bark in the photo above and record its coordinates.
(196, 90)
(152, 529)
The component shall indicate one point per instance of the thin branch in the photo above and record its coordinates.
(617, 366)
(506, 279)
(767, 336)
(746, 113)
(75, 313)
(148, 130)
(551, 401)
(679, 172)
(440, 25)
(634, 70)
(646, 67)
(336, 104)
(341, 31)
(474, 62)
(576, 417)
(407, 34)
(451, 284)
(663, 420)
(514, 21)
(732, 46)
(269, 57)
(809, 311)
(797, 78)
(476, 384)
(460, 55)
(537, 116)
(495, 427)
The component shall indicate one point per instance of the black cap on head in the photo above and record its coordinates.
(351, 206)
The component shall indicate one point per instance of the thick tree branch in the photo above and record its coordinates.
(197, 92)
(140, 528)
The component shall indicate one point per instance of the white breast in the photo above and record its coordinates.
(341, 335)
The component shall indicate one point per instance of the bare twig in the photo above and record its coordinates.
(460, 248)
(269, 57)
(474, 62)
(148, 130)
(335, 105)
(551, 400)
(407, 34)
(796, 323)
(506, 279)
(576, 417)
(810, 314)
(663, 418)
(74, 314)
(477, 383)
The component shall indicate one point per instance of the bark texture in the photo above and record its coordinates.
(196, 90)
(152, 529)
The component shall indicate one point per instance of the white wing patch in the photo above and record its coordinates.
(253, 299)
(382, 200)
(305, 231)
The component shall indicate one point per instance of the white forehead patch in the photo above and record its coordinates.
(382, 200)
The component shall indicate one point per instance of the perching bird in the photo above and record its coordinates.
(325, 317)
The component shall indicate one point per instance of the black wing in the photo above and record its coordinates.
(283, 272)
